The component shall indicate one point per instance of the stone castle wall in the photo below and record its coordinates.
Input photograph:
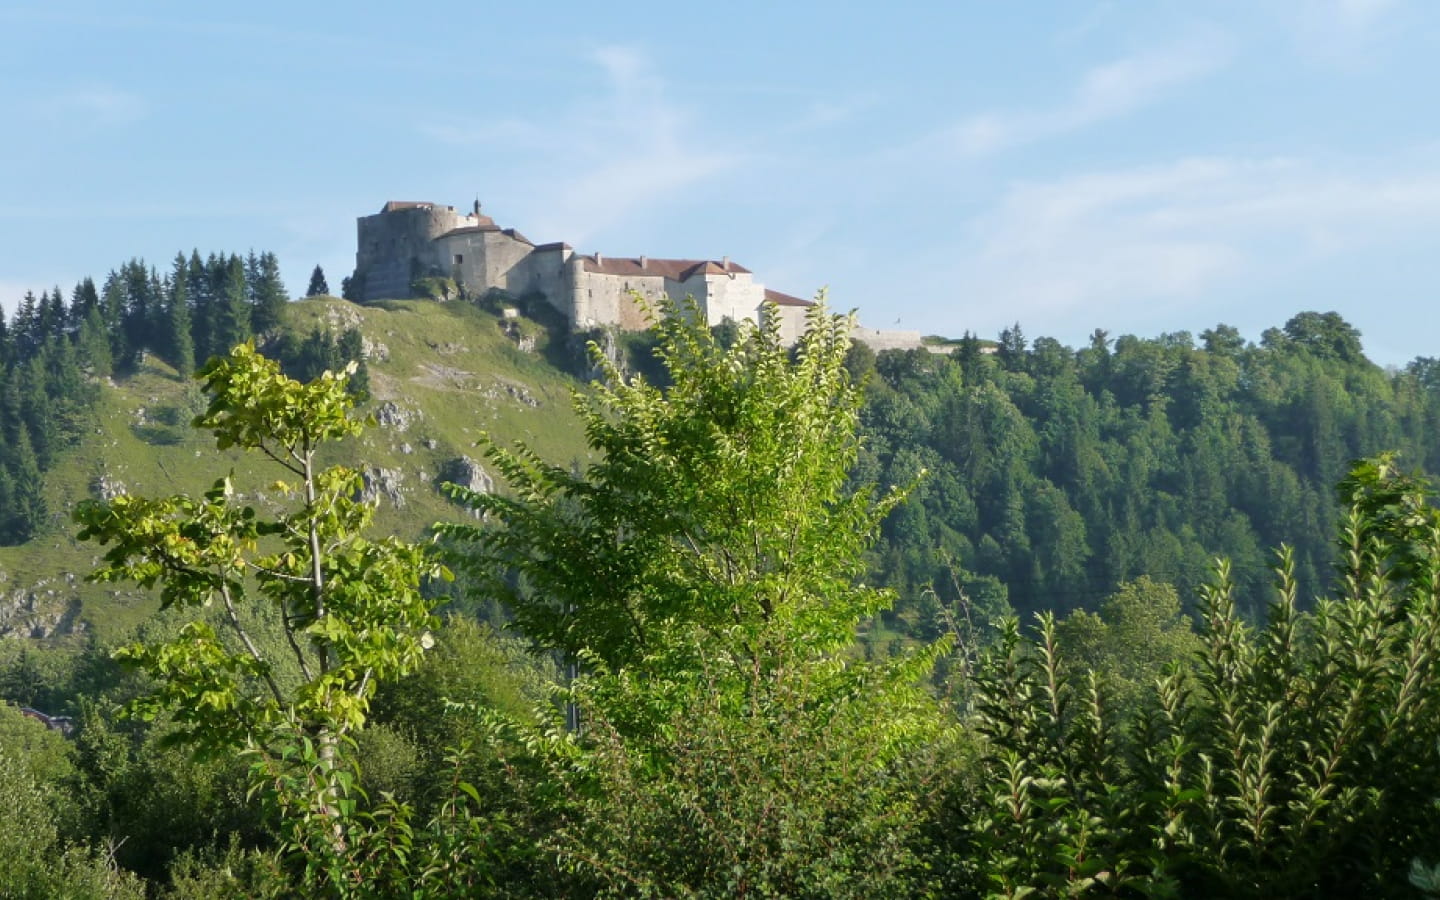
(404, 240)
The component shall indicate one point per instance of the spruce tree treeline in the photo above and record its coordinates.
(197, 309)
(1059, 474)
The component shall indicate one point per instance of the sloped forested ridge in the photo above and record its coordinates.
(55, 349)
(1057, 473)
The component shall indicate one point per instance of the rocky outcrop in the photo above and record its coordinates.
(381, 483)
(46, 609)
(466, 473)
(392, 415)
(107, 487)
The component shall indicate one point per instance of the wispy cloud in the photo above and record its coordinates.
(91, 106)
(1105, 92)
(604, 159)
(1157, 240)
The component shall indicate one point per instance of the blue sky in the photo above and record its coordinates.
(1140, 167)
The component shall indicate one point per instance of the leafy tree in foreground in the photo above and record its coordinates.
(704, 574)
(1290, 761)
(344, 612)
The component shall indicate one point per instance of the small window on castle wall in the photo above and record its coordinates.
(459, 258)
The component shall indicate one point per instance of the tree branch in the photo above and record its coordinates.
(249, 644)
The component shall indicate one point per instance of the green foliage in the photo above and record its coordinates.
(1068, 472)
(1139, 631)
(704, 573)
(34, 861)
(1281, 764)
(350, 608)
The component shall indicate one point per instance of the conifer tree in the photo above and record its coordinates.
(141, 305)
(93, 344)
(179, 342)
(28, 511)
(200, 290)
(232, 322)
(82, 300)
(112, 307)
(318, 285)
(26, 326)
(267, 292)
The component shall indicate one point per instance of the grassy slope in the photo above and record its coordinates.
(449, 363)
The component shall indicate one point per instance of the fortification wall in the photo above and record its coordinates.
(546, 272)
(792, 323)
(605, 299)
(730, 296)
(504, 262)
(878, 340)
(392, 244)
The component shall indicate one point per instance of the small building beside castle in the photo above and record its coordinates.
(405, 242)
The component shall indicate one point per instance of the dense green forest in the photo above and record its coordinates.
(1054, 475)
(694, 687)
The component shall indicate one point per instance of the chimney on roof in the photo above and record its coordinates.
(598, 258)
(725, 263)
(643, 260)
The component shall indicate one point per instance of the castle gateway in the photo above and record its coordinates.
(408, 241)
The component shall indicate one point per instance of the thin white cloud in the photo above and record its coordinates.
(1132, 243)
(625, 149)
(1105, 92)
(92, 106)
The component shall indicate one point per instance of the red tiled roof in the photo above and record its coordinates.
(780, 299)
(516, 235)
(673, 269)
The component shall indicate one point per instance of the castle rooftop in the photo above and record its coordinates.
(673, 269)
(780, 299)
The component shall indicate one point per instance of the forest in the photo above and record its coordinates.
(1150, 618)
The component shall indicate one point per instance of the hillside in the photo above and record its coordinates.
(440, 375)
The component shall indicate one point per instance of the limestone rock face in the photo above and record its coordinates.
(43, 610)
(467, 473)
(381, 483)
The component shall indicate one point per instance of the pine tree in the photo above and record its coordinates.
(232, 323)
(26, 326)
(28, 511)
(267, 293)
(141, 304)
(202, 305)
(112, 309)
(318, 285)
(179, 343)
(93, 344)
(38, 412)
(82, 300)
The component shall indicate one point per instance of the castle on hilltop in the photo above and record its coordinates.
(405, 242)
